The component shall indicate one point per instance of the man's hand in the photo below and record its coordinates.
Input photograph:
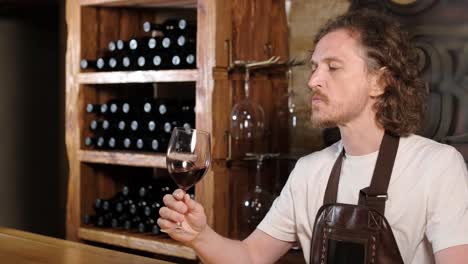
(182, 218)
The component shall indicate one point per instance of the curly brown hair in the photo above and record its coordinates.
(400, 109)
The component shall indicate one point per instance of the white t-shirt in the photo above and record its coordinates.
(427, 204)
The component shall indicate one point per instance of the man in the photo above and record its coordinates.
(364, 81)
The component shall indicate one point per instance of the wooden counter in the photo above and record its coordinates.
(19, 247)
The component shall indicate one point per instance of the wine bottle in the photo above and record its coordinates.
(161, 61)
(94, 125)
(134, 126)
(143, 62)
(152, 210)
(168, 27)
(165, 107)
(93, 108)
(86, 64)
(112, 143)
(100, 142)
(103, 109)
(122, 45)
(104, 220)
(90, 142)
(189, 60)
(112, 46)
(128, 63)
(98, 206)
(140, 144)
(186, 41)
(146, 225)
(128, 143)
(105, 125)
(89, 219)
(112, 64)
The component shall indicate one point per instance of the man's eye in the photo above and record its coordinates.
(333, 67)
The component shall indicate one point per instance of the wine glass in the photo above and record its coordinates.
(247, 118)
(257, 202)
(188, 157)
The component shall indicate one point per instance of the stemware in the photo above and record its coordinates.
(247, 117)
(188, 157)
(257, 202)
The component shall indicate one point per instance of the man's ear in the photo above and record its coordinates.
(379, 82)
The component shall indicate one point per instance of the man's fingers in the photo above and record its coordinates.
(171, 215)
(173, 204)
(166, 224)
(178, 194)
(191, 204)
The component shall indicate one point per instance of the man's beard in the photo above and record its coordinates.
(325, 122)
(334, 115)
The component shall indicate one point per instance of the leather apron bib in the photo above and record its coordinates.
(357, 234)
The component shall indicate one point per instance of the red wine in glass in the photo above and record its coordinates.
(185, 173)
(188, 157)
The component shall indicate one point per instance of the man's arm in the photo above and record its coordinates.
(257, 248)
(452, 255)
(211, 247)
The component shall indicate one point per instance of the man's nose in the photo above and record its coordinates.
(315, 80)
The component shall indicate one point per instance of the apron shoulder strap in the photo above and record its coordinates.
(375, 195)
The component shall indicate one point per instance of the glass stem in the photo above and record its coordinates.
(246, 83)
(258, 174)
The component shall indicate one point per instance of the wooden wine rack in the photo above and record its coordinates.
(92, 173)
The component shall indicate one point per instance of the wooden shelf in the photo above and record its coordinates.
(141, 3)
(138, 77)
(155, 244)
(154, 160)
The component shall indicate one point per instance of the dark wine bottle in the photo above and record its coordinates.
(90, 142)
(98, 206)
(100, 143)
(93, 108)
(103, 109)
(140, 144)
(89, 219)
(89, 64)
(128, 63)
(189, 60)
(122, 45)
(112, 64)
(105, 125)
(168, 27)
(112, 46)
(152, 210)
(186, 41)
(112, 143)
(128, 144)
(135, 126)
(146, 225)
(161, 61)
(104, 220)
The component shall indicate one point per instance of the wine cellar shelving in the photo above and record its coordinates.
(101, 173)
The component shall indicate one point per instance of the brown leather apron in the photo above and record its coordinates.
(355, 234)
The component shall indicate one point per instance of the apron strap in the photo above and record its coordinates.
(375, 195)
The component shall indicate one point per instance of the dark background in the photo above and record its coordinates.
(33, 168)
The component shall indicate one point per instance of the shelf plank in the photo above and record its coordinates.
(138, 77)
(154, 244)
(141, 3)
(153, 160)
